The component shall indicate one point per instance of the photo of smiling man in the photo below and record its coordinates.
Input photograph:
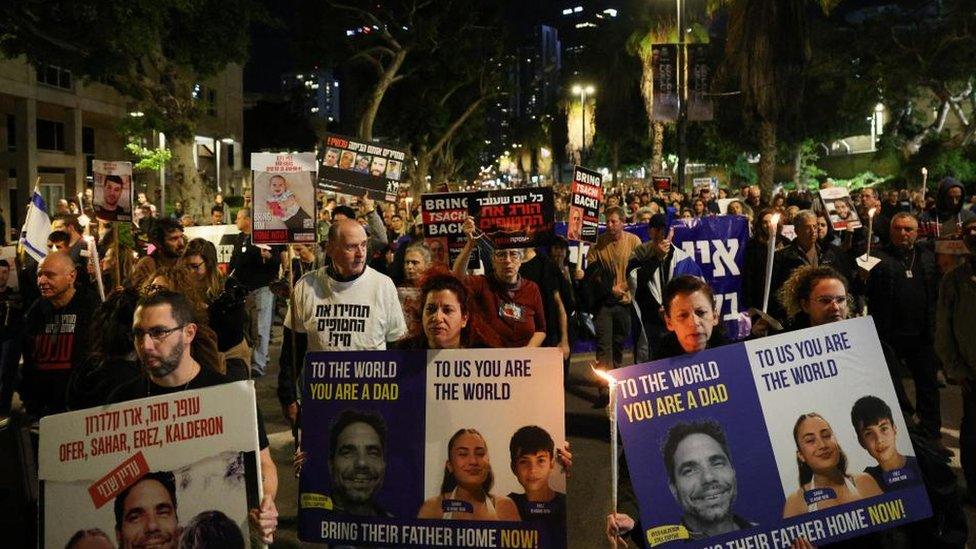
(877, 433)
(701, 478)
(358, 462)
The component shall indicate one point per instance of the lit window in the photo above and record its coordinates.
(577, 9)
(567, 11)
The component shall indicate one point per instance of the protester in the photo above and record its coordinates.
(163, 330)
(11, 324)
(506, 309)
(167, 240)
(902, 291)
(255, 266)
(416, 260)
(55, 336)
(443, 306)
(539, 269)
(949, 216)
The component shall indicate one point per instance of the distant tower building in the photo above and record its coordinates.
(315, 93)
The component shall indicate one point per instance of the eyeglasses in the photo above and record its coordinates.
(156, 334)
(826, 300)
(153, 288)
(502, 254)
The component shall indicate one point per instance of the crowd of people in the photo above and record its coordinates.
(174, 318)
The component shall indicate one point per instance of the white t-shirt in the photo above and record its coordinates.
(362, 314)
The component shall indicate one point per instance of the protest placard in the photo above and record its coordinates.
(757, 443)
(837, 201)
(353, 166)
(112, 192)
(221, 236)
(443, 216)
(661, 183)
(514, 218)
(190, 457)
(284, 198)
(9, 254)
(584, 207)
(718, 245)
(390, 428)
(701, 183)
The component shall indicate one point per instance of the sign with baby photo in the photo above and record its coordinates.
(447, 448)
(758, 443)
(284, 198)
(353, 166)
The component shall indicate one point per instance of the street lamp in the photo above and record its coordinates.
(583, 91)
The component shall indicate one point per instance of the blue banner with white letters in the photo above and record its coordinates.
(757, 443)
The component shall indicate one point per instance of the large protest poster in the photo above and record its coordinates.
(584, 207)
(718, 245)
(753, 444)
(112, 192)
(514, 218)
(443, 216)
(837, 201)
(284, 198)
(184, 455)
(402, 438)
(352, 166)
(221, 236)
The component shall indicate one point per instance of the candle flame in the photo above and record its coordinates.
(925, 171)
(605, 376)
(872, 211)
(774, 220)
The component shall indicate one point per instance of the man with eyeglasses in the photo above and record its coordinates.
(902, 291)
(506, 308)
(55, 336)
(955, 341)
(163, 331)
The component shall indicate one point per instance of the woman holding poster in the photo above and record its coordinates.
(466, 488)
(824, 482)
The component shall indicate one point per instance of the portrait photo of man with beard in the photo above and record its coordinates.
(701, 477)
(357, 462)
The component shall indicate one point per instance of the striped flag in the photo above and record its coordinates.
(37, 228)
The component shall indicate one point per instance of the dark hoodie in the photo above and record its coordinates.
(949, 215)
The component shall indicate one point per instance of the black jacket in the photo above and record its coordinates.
(891, 293)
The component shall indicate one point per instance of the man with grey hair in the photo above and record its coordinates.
(344, 306)
(804, 250)
(55, 336)
(902, 291)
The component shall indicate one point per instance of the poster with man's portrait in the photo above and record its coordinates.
(283, 198)
(758, 443)
(112, 196)
(448, 448)
(8, 270)
(837, 201)
(153, 470)
(355, 167)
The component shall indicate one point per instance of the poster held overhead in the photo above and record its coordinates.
(284, 198)
(837, 201)
(584, 207)
(112, 193)
(352, 166)
(514, 218)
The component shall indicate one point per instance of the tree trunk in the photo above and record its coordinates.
(657, 154)
(186, 183)
(798, 165)
(372, 107)
(419, 172)
(767, 158)
(615, 162)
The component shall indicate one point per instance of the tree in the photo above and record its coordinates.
(153, 51)
(767, 52)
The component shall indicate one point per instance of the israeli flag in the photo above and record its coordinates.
(37, 228)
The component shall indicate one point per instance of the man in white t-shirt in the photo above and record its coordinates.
(347, 306)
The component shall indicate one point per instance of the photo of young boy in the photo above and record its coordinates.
(877, 433)
(533, 460)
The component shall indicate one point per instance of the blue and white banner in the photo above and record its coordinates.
(718, 245)
(757, 443)
(37, 228)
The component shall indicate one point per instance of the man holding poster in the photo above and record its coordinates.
(163, 329)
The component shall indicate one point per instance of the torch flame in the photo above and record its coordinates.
(605, 376)
(872, 211)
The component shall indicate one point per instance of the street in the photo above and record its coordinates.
(588, 433)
